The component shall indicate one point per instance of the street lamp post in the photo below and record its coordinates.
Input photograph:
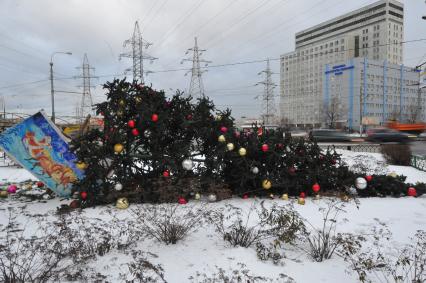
(52, 91)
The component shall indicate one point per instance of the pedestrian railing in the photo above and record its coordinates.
(374, 148)
(418, 162)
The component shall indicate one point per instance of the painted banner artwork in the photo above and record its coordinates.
(39, 146)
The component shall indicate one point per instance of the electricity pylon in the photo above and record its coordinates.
(196, 87)
(268, 98)
(137, 54)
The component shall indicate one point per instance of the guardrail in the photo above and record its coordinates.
(418, 162)
(374, 148)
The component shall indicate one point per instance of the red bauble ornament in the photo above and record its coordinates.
(189, 117)
(292, 170)
(182, 200)
(245, 196)
(154, 118)
(369, 178)
(302, 195)
(40, 184)
(131, 123)
(260, 131)
(135, 132)
(412, 192)
(223, 129)
(166, 173)
(74, 204)
(265, 147)
(83, 195)
(280, 146)
(333, 161)
(321, 157)
(237, 134)
(316, 187)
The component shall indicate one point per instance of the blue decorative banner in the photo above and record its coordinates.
(39, 146)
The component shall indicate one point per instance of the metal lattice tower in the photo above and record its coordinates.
(196, 87)
(138, 56)
(86, 99)
(268, 98)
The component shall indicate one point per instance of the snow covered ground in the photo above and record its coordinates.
(204, 251)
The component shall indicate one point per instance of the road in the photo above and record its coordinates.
(418, 148)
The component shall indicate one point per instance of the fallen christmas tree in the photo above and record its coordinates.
(155, 149)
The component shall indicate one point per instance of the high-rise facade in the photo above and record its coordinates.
(374, 32)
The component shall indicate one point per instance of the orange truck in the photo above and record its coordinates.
(415, 128)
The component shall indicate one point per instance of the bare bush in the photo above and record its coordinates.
(396, 154)
(323, 241)
(375, 259)
(240, 275)
(281, 224)
(35, 258)
(142, 270)
(168, 223)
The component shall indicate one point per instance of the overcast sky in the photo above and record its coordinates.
(230, 30)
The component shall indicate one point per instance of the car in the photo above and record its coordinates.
(330, 135)
(387, 135)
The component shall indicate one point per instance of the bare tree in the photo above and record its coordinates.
(333, 112)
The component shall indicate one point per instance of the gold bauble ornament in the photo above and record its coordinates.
(272, 196)
(301, 201)
(3, 194)
(119, 113)
(138, 99)
(197, 196)
(393, 174)
(242, 151)
(317, 197)
(221, 138)
(230, 146)
(81, 165)
(121, 102)
(284, 197)
(266, 184)
(344, 198)
(218, 117)
(118, 148)
(122, 203)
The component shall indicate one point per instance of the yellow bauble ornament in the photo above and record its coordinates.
(284, 197)
(118, 148)
(393, 174)
(301, 201)
(242, 151)
(122, 203)
(3, 194)
(221, 138)
(266, 184)
(81, 165)
(218, 117)
(122, 102)
(230, 146)
(197, 196)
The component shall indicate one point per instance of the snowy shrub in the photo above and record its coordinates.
(36, 258)
(240, 275)
(278, 223)
(168, 223)
(374, 258)
(142, 270)
(323, 241)
(396, 154)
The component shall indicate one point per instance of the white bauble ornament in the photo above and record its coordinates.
(360, 183)
(230, 146)
(118, 187)
(212, 198)
(255, 170)
(187, 164)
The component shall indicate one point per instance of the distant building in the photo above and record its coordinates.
(329, 61)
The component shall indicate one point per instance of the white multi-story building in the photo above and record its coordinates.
(374, 32)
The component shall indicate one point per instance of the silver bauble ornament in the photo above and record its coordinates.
(118, 187)
(255, 170)
(352, 191)
(187, 164)
(212, 198)
(360, 183)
